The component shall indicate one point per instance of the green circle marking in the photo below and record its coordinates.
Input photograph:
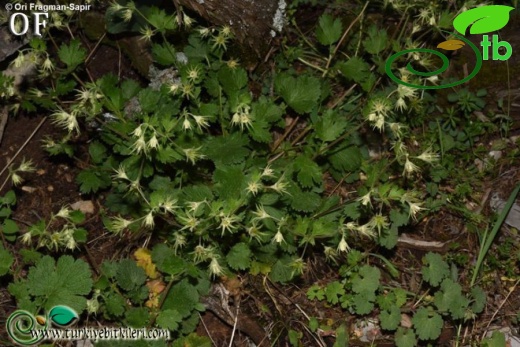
(445, 64)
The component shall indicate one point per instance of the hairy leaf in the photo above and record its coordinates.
(300, 93)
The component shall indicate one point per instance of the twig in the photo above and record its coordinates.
(345, 35)
(503, 302)
(289, 129)
(21, 148)
(207, 330)
(3, 121)
(234, 329)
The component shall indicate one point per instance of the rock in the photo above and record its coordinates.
(85, 206)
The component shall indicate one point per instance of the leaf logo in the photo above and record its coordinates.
(451, 45)
(62, 315)
(483, 19)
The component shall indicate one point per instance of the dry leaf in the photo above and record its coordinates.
(144, 260)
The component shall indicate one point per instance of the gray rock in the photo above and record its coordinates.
(513, 217)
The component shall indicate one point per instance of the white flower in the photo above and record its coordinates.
(214, 267)
(379, 222)
(343, 245)
(192, 154)
(410, 167)
(169, 204)
(226, 223)
(260, 213)
(118, 224)
(365, 199)
(414, 209)
(194, 205)
(153, 142)
(120, 173)
(190, 222)
(186, 124)
(253, 187)
(138, 132)
(27, 238)
(64, 212)
(26, 166)
(397, 129)
(278, 238)
(16, 179)
(268, 172)
(400, 104)
(201, 121)
(139, 145)
(366, 230)
(66, 120)
(148, 220)
(280, 186)
(180, 241)
(428, 156)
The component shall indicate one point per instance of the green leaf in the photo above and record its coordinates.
(168, 155)
(330, 126)
(72, 54)
(169, 319)
(63, 315)
(232, 80)
(304, 201)
(342, 337)
(264, 109)
(482, 19)
(229, 182)
(193, 340)
(9, 198)
(227, 150)
(6, 260)
(399, 218)
(282, 271)
(428, 325)
(137, 317)
(239, 257)
(405, 338)
(329, 30)
(376, 41)
(129, 276)
(160, 19)
(315, 292)
(355, 69)
(346, 159)
(333, 291)
(115, 304)
(97, 152)
(479, 297)
(367, 279)
(183, 297)
(10, 227)
(363, 302)
(389, 238)
(450, 299)
(149, 100)
(497, 339)
(435, 269)
(92, 180)
(64, 283)
(309, 173)
(301, 93)
(166, 260)
(390, 319)
(164, 54)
